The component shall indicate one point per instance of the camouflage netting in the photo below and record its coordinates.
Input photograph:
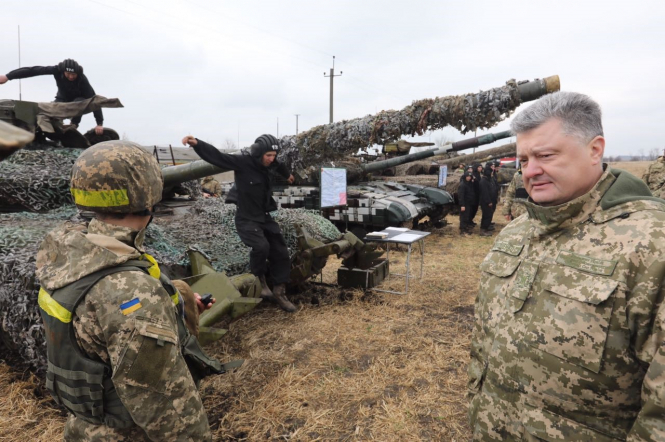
(211, 229)
(37, 180)
(464, 112)
(208, 225)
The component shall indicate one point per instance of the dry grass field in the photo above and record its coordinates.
(347, 366)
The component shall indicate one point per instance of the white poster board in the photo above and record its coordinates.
(443, 175)
(333, 187)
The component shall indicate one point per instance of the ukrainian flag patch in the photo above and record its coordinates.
(130, 306)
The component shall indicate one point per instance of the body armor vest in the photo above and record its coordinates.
(83, 385)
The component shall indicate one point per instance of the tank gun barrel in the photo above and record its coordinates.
(174, 175)
(467, 112)
(453, 147)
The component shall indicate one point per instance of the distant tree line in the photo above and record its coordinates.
(640, 155)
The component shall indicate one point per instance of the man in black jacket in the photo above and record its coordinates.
(72, 84)
(489, 196)
(253, 222)
(466, 195)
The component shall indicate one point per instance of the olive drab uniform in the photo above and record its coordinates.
(120, 358)
(569, 335)
(516, 196)
(655, 177)
(211, 186)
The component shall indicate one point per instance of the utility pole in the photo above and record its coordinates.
(20, 94)
(332, 76)
(297, 115)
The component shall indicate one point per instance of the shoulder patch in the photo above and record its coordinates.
(587, 264)
(130, 306)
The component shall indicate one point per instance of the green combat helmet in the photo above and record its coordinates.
(12, 139)
(116, 177)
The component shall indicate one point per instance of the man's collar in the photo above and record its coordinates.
(550, 219)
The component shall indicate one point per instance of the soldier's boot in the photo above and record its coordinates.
(484, 232)
(491, 227)
(280, 298)
(266, 293)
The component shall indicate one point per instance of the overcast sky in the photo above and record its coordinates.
(229, 70)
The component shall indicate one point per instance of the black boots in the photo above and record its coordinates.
(278, 296)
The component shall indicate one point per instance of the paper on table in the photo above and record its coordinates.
(398, 229)
(406, 237)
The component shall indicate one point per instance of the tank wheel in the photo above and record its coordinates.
(108, 135)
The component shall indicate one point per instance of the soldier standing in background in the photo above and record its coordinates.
(516, 196)
(477, 174)
(120, 357)
(211, 186)
(655, 177)
(72, 85)
(488, 198)
(569, 335)
(466, 197)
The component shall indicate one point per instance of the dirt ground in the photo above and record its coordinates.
(346, 366)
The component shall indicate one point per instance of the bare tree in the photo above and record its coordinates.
(125, 137)
(653, 154)
(229, 144)
(442, 140)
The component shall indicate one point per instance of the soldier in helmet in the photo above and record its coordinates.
(211, 186)
(569, 335)
(120, 358)
(516, 196)
(72, 84)
(253, 222)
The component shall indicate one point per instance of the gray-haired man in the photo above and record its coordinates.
(569, 337)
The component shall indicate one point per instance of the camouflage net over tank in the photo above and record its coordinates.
(20, 324)
(466, 113)
(211, 229)
(37, 180)
(209, 226)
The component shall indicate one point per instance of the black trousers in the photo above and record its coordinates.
(267, 244)
(465, 218)
(474, 209)
(486, 219)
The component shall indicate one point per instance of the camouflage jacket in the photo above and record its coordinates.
(211, 186)
(569, 335)
(655, 177)
(165, 404)
(513, 205)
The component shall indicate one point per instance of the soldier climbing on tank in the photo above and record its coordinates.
(72, 84)
(255, 227)
(120, 357)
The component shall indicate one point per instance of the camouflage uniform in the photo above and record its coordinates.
(211, 186)
(655, 177)
(569, 336)
(514, 205)
(162, 397)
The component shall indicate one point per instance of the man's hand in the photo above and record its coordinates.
(189, 140)
(490, 204)
(3, 79)
(99, 129)
(462, 208)
(291, 179)
(200, 305)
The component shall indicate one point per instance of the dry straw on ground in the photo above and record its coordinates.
(347, 366)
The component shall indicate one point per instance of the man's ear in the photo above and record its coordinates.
(597, 149)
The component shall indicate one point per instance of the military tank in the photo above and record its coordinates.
(35, 198)
(44, 120)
